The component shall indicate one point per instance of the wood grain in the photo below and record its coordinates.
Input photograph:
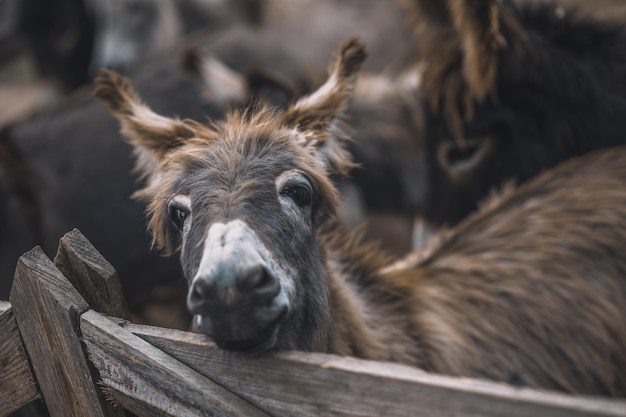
(17, 384)
(47, 310)
(307, 384)
(92, 275)
(148, 382)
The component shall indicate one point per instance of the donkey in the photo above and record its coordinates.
(510, 90)
(530, 291)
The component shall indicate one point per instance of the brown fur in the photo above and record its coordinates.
(538, 269)
(531, 290)
(469, 32)
(481, 42)
(157, 134)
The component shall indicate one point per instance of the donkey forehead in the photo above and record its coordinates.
(244, 169)
(211, 157)
(230, 170)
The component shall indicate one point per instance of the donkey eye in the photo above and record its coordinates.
(300, 194)
(178, 215)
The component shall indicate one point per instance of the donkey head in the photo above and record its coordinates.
(243, 201)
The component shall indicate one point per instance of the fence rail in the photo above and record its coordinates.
(82, 361)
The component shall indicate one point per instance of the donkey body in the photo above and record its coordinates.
(531, 290)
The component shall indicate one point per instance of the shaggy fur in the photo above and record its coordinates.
(537, 269)
(511, 90)
(530, 291)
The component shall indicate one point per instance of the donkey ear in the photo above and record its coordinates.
(316, 116)
(152, 135)
(479, 25)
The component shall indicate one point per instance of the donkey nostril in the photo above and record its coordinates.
(198, 292)
(262, 282)
(195, 295)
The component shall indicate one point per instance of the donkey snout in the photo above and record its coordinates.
(233, 289)
(237, 290)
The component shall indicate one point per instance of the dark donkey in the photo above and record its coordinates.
(511, 89)
(530, 291)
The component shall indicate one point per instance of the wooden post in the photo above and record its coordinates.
(47, 309)
(17, 385)
(92, 275)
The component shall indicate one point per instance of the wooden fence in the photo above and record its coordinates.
(65, 337)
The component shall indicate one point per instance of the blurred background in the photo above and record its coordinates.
(63, 164)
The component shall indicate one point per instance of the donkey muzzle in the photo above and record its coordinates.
(235, 291)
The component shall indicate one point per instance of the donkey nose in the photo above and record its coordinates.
(233, 287)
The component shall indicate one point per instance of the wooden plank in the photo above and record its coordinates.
(17, 384)
(148, 382)
(92, 275)
(306, 384)
(47, 310)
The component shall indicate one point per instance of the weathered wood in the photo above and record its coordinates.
(17, 384)
(92, 275)
(301, 384)
(47, 310)
(147, 381)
